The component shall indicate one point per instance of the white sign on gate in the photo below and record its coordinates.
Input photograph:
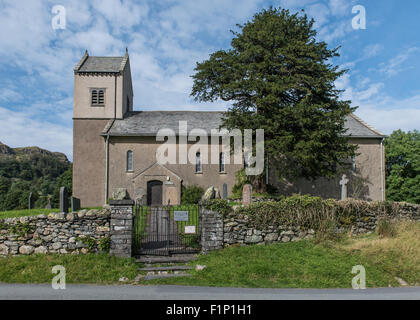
(181, 215)
(189, 230)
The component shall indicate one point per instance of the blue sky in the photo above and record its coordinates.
(165, 39)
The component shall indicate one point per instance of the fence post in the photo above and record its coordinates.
(121, 227)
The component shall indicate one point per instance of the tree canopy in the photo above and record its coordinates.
(403, 166)
(276, 76)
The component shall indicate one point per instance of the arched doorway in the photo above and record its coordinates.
(154, 193)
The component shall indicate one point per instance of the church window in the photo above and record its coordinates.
(198, 162)
(97, 97)
(129, 160)
(353, 163)
(222, 162)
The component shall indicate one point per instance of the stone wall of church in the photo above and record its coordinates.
(144, 156)
(367, 178)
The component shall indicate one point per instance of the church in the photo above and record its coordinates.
(115, 147)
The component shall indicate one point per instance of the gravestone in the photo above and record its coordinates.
(343, 184)
(247, 195)
(64, 205)
(75, 204)
(48, 206)
(30, 201)
(225, 193)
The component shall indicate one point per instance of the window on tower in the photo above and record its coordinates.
(97, 97)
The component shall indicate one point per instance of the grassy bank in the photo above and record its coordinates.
(33, 212)
(397, 254)
(25, 213)
(289, 265)
(304, 264)
(90, 268)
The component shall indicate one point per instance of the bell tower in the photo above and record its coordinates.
(103, 92)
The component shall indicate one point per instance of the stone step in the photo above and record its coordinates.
(163, 276)
(166, 259)
(170, 268)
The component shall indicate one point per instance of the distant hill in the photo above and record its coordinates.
(27, 152)
(31, 169)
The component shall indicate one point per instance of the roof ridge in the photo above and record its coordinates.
(81, 61)
(367, 125)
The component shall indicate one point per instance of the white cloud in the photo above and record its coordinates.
(395, 65)
(18, 129)
(377, 108)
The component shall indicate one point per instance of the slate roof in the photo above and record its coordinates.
(148, 123)
(101, 64)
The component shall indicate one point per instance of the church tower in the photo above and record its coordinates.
(103, 92)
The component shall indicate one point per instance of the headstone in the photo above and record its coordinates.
(216, 193)
(64, 206)
(75, 204)
(48, 206)
(247, 195)
(30, 201)
(225, 193)
(343, 184)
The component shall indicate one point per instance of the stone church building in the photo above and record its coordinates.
(115, 147)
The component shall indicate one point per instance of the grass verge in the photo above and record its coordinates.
(289, 265)
(89, 268)
(397, 254)
(25, 213)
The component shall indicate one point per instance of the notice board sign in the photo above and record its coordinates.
(181, 215)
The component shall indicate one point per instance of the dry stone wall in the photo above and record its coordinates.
(237, 229)
(76, 232)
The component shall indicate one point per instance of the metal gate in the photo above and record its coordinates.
(166, 230)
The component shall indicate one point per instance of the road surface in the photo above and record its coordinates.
(134, 292)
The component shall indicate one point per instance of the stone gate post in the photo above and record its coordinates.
(121, 227)
(211, 229)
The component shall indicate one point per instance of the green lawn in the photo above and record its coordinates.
(288, 265)
(89, 268)
(32, 212)
(25, 213)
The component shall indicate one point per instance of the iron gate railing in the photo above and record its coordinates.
(158, 231)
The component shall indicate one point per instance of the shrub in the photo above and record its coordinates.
(191, 194)
(104, 244)
(219, 205)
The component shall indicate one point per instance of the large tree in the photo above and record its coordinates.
(279, 78)
(403, 166)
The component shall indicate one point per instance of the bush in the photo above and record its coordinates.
(191, 194)
(219, 205)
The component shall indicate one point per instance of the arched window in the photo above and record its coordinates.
(198, 162)
(94, 97)
(101, 96)
(97, 97)
(129, 160)
(353, 163)
(221, 162)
